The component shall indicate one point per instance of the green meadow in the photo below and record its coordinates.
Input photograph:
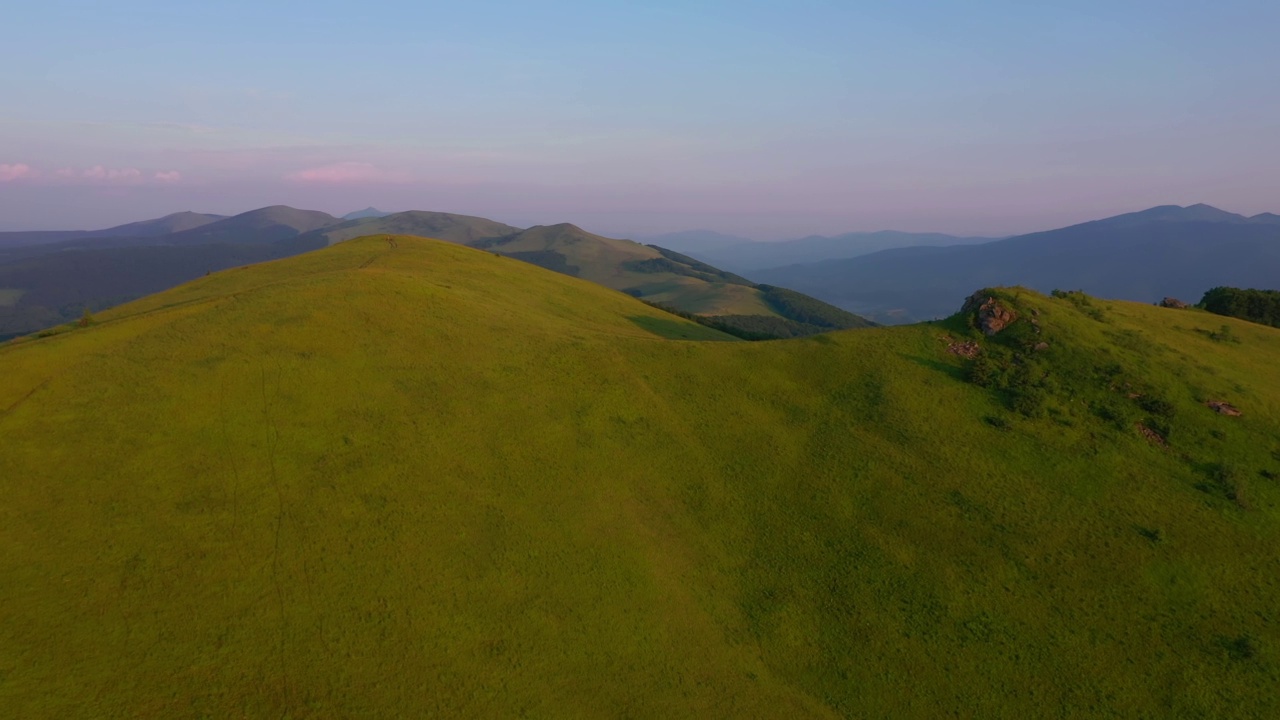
(416, 479)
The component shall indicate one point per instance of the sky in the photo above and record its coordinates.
(766, 119)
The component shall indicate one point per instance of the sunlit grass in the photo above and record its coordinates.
(428, 480)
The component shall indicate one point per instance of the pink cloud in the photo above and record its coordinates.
(347, 172)
(99, 173)
(171, 176)
(15, 171)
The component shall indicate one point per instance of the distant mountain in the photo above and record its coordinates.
(369, 212)
(52, 288)
(745, 256)
(176, 222)
(695, 242)
(441, 226)
(1144, 256)
(265, 225)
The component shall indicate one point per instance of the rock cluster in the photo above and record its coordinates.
(1173, 302)
(1152, 436)
(1224, 408)
(963, 348)
(992, 317)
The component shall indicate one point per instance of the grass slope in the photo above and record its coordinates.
(413, 479)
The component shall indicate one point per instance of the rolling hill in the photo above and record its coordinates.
(44, 284)
(400, 477)
(1144, 256)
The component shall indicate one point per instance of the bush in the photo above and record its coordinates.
(1224, 334)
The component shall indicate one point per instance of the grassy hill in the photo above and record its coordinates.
(398, 477)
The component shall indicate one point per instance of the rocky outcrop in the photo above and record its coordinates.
(1224, 408)
(990, 316)
(1173, 302)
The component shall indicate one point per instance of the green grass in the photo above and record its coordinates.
(431, 481)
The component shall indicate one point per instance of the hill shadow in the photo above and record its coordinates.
(672, 329)
(956, 372)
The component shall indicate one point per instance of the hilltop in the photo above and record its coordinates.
(401, 477)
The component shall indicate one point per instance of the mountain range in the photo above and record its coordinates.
(746, 256)
(1143, 256)
(58, 277)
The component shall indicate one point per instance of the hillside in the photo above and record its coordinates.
(1164, 251)
(398, 477)
(658, 275)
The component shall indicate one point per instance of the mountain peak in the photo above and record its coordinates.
(369, 212)
(1199, 212)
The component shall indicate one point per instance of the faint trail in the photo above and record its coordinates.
(24, 398)
(275, 555)
(235, 475)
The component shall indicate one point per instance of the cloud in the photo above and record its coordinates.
(15, 171)
(171, 176)
(101, 174)
(346, 172)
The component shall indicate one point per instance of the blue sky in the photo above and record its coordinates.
(770, 119)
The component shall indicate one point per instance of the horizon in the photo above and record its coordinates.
(340, 215)
(762, 121)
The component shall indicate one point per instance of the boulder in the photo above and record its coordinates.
(991, 316)
(1175, 303)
